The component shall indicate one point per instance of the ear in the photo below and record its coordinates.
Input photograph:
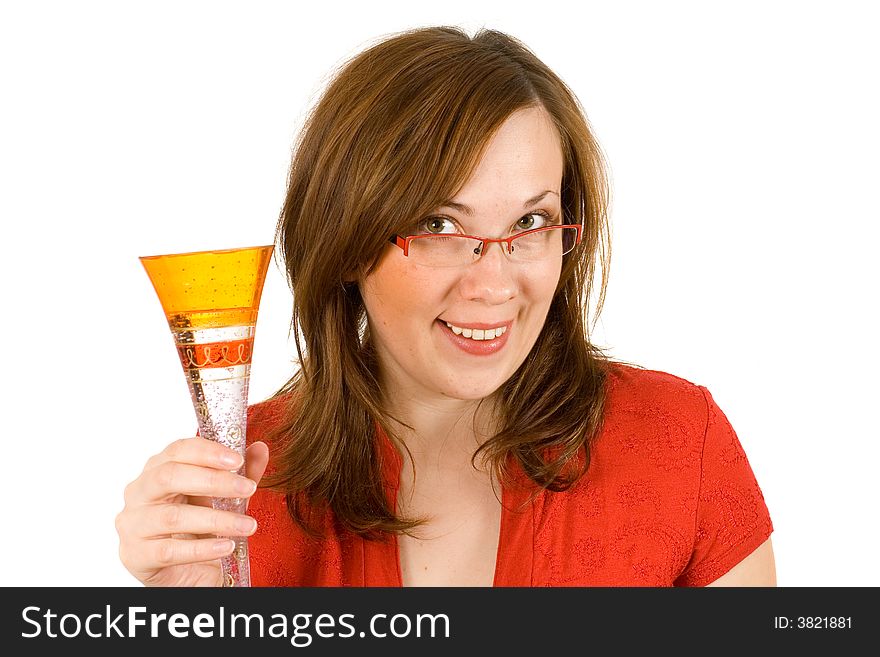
(354, 275)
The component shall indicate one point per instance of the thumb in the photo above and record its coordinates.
(256, 460)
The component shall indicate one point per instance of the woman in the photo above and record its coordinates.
(451, 422)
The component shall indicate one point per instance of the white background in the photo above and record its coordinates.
(743, 144)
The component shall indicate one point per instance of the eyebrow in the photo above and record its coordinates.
(469, 211)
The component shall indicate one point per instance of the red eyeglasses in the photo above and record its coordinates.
(455, 250)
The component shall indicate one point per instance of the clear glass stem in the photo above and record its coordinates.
(236, 566)
(219, 396)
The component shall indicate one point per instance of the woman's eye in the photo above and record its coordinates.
(435, 225)
(529, 221)
(444, 225)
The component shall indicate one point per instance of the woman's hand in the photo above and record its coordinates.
(167, 529)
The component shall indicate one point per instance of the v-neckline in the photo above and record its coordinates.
(381, 565)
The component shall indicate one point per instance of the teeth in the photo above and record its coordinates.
(478, 334)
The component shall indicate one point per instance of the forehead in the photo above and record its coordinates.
(522, 159)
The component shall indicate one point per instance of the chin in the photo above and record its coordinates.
(472, 393)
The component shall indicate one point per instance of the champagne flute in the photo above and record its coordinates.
(211, 299)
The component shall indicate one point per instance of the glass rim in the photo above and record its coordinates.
(217, 251)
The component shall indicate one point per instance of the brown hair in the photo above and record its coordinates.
(397, 132)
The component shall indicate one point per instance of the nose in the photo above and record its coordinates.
(491, 278)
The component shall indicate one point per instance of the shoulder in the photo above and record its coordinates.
(654, 421)
(264, 418)
(633, 389)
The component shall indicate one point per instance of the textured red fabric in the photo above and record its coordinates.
(669, 500)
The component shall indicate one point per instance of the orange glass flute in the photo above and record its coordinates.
(211, 299)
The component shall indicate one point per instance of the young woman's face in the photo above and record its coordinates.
(408, 305)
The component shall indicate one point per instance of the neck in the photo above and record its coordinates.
(442, 429)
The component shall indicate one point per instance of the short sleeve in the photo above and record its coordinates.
(732, 519)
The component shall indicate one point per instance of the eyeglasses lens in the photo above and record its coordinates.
(456, 250)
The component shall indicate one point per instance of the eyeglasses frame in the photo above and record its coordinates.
(404, 242)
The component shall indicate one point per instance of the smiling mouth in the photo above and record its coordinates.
(477, 344)
(477, 334)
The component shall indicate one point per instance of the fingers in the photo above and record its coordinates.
(257, 458)
(168, 514)
(173, 520)
(162, 553)
(190, 466)
(197, 451)
(171, 479)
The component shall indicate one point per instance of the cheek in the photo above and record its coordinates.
(543, 284)
(400, 295)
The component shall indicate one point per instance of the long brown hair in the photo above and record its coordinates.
(396, 133)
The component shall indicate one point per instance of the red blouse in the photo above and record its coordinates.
(669, 500)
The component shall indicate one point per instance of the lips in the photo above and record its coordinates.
(478, 325)
(475, 347)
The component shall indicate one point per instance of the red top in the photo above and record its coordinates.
(669, 500)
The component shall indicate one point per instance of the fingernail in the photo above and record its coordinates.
(223, 546)
(246, 486)
(245, 525)
(231, 460)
